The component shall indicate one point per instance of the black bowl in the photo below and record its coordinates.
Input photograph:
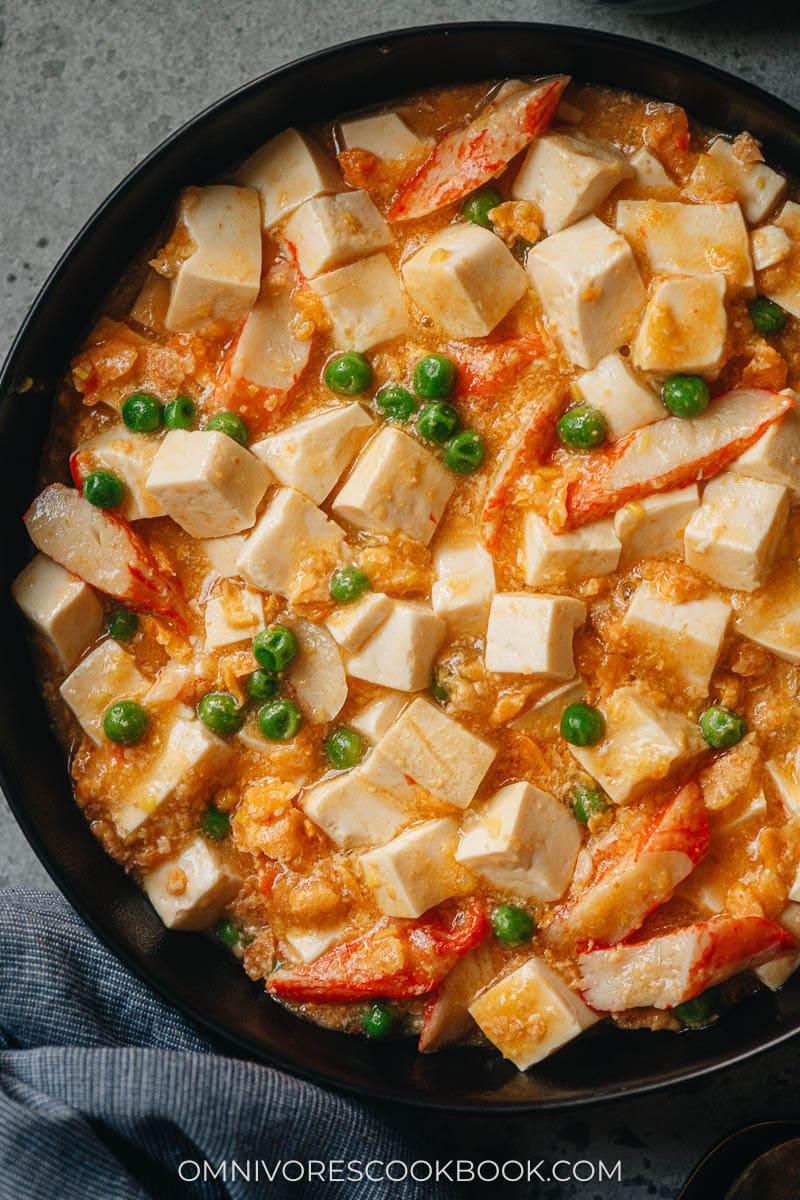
(199, 977)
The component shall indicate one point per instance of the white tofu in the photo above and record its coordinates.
(396, 486)
(168, 685)
(758, 188)
(330, 230)
(465, 278)
(549, 707)
(568, 176)
(352, 624)
(292, 544)
(416, 870)
(643, 744)
(682, 638)
(104, 676)
(775, 457)
(209, 484)
(232, 617)
(524, 842)
(364, 302)
(532, 635)
(353, 811)
(557, 558)
(61, 607)
(129, 456)
(308, 945)
(690, 239)
(769, 246)
(150, 306)
(734, 535)
(655, 524)
(378, 717)
(589, 287)
(684, 327)
(267, 351)
(312, 454)
(756, 809)
(625, 402)
(787, 785)
(192, 890)
(773, 620)
(223, 552)
(386, 136)
(784, 288)
(650, 171)
(219, 280)
(529, 1013)
(401, 652)
(463, 584)
(286, 172)
(775, 973)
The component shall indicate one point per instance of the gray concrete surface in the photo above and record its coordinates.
(88, 88)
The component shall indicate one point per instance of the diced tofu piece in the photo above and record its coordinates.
(683, 638)
(755, 810)
(150, 306)
(733, 536)
(396, 486)
(775, 457)
(378, 717)
(267, 352)
(220, 278)
(330, 230)
(416, 870)
(689, 239)
(386, 136)
(129, 457)
(784, 289)
(192, 890)
(169, 683)
(530, 1013)
(232, 617)
(447, 1020)
(643, 744)
(532, 635)
(787, 785)
(355, 812)
(684, 327)
(312, 454)
(104, 676)
(352, 624)
(524, 842)
(625, 402)
(549, 707)
(556, 558)
(61, 607)
(400, 653)
(650, 172)
(465, 278)
(293, 543)
(758, 188)
(287, 171)
(769, 246)
(223, 552)
(590, 289)
(209, 484)
(307, 945)
(773, 620)
(463, 584)
(774, 974)
(655, 524)
(364, 302)
(568, 176)
(317, 674)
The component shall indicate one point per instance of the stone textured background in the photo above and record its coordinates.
(86, 90)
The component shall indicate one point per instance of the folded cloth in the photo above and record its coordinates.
(108, 1093)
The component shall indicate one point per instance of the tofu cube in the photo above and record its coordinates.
(150, 306)
(650, 172)
(734, 535)
(232, 617)
(330, 230)
(524, 842)
(758, 188)
(784, 286)
(690, 239)
(684, 327)
(775, 457)
(556, 558)
(773, 620)
(416, 870)
(267, 352)
(655, 525)
(787, 785)
(396, 486)
(684, 639)
(170, 683)
(286, 172)
(643, 744)
(129, 457)
(209, 484)
(61, 607)
(352, 624)
(192, 890)
(589, 287)
(104, 676)
(532, 635)
(529, 1013)
(307, 946)
(386, 136)
(364, 302)
(292, 543)
(774, 974)
(222, 553)
(568, 176)
(400, 653)
(353, 811)
(769, 246)
(311, 455)
(465, 278)
(378, 717)
(463, 585)
(219, 280)
(625, 402)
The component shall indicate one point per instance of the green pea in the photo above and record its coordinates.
(280, 720)
(125, 723)
(348, 374)
(767, 316)
(685, 395)
(348, 584)
(142, 412)
(231, 424)
(262, 685)
(396, 403)
(180, 413)
(379, 1021)
(476, 208)
(220, 712)
(464, 453)
(702, 1010)
(228, 933)
(439, 691)
(103, 490)
(344, 748)
(722, 727)
(582, 725)
(582, 427)
(215, 824)
(438, 422)
(123, 624)
(275, 648)
(587, 802)
(435, 377)
(512, 926)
